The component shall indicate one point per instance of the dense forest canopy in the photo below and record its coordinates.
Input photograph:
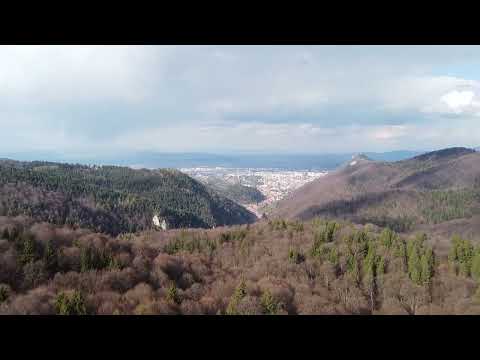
(237, 192)
(112, 199)
(274, 267)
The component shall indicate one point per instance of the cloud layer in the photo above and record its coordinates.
(237, 98)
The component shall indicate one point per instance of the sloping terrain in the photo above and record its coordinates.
(427, 189)
(276, 267)
(237, 192)
(112, 199)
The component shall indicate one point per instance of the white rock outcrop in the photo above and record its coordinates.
(159, 223)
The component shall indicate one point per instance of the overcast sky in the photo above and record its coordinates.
(310, 99)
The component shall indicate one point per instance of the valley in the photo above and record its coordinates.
(370, 237)
(273, 184)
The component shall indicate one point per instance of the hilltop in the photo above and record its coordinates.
(112, 199)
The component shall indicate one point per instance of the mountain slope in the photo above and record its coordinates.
(430, 188)
(237, 192)
(112, 199)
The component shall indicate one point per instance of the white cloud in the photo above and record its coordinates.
(239, 97)
(74, 74)
(457, 100)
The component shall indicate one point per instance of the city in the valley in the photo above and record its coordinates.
(274, 184)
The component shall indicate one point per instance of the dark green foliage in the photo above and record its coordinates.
(387, 238)
(464, 258)
(440, 206)
(4, 293)
(233, 235)
(414, 266)
(381, 266)
(296, 226)
(427, 262)
(278, 224)
(400, 252)
(333, 256)
(295, 256)
(322, 235)
(461, 255)
(112, 199)
(370, 262)
(239, 293)
(28, 249)
(420, 260)
(269, 304)
(172, 295)
(239, 193)
(94, 259)
(190, 242)
(50, 257)
(475, 269)
(70, 304)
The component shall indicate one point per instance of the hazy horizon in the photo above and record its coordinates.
(225, 160)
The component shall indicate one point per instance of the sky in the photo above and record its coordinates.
(234, 99)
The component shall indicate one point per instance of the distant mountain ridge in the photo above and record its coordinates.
(430, 188)
(112, 199)
(154, 160)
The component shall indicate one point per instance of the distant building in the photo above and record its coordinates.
(159, 223)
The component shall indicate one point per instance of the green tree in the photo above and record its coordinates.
(71, 304)
(414, 266)
(50, 258)
(269, 304)
(427, 266)
(461, 255)
(28, 251)
(239, 293)
(295, 257)
(475, 270)
(387, 238)
(172, 295)
(4, 293)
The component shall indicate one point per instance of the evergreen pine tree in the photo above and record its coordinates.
(239, 293)
(50, 257)
(475, 270)
(427, 265)
(3, 293)
(269, 305)
(28, 251)
(414, 266)
(172, 294)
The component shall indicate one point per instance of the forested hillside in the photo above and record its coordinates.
(112, 199)
(276, 267)
(428, 189)
(237, 192)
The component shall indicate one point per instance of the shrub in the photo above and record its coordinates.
(269, 304)
(70, 304)
(239, 293)
(295, 257)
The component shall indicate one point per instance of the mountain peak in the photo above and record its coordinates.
(361, 156)
(445, 153)
(358, 158)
